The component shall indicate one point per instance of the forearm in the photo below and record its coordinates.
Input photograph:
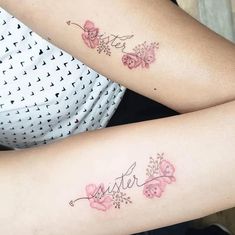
(194, 68)
(38, 184)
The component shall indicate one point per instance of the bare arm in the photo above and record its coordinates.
(188, 68)
(54, 189)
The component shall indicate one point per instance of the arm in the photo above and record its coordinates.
(189, 67)
(41, 187)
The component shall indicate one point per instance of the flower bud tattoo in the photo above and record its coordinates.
(141, 56)
(159, 172)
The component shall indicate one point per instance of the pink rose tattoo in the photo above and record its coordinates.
(141, 56)
(97, 198)
(90, 35)
(160, 173)
(131, 60)
(154, 188)
(167, 171)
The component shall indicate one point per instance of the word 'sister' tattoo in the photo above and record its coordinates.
(141, 56)
(159, 174)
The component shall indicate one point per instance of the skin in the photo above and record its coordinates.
(37, 184)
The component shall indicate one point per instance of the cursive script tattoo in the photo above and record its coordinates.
(159, 172)
(141, 56)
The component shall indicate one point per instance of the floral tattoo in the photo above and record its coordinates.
(141, 56)
(159, 172)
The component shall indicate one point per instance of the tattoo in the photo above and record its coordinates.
(159, 172)
(141, 56)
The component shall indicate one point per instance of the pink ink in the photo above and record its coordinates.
(148, 58)
(131, 60)
(160, 172)
(97, 198)
(143, 55)
(90, 35)
(154, 188)
(167, 170)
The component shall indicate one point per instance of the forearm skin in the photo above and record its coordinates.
(38, 185)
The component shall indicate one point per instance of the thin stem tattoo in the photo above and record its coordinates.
(159, 173)
(141, 56)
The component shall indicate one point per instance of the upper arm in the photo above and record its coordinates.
(173, 59)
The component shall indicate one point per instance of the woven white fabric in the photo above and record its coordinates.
(45, 93)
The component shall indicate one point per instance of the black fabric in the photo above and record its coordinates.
(211, 230)
(136, 108)
(4, 148)
(174, 1)
(178, 229)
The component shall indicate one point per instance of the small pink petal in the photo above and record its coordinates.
(166, 179)
(167, 168)
(90, 190)
(94, 43)
(98, 206)
(86, 40)
(88, 25)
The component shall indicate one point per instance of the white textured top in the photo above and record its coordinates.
(45, 93)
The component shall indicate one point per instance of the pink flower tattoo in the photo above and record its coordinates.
(97, 198)
(90, 35)
(131, 60)
(160, 173)
(154, 188)
(141, 56)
